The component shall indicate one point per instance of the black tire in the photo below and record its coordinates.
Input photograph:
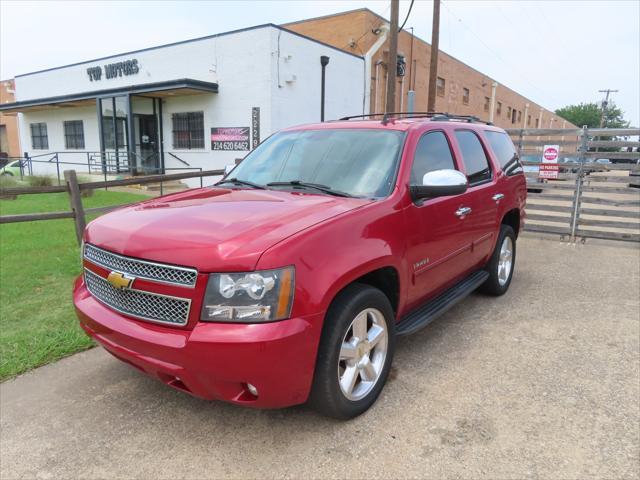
(493, 285)
(8, 174)
(326, 395)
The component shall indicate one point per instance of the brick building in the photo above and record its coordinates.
(9, 136)
(460, 88)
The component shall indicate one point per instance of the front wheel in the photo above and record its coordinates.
(501, 264)
(355, 353)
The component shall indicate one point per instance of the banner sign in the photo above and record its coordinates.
(255, 127)
(230, 138)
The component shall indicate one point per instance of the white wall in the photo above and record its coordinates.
(55, 132)
(243, 77)
(298, 102)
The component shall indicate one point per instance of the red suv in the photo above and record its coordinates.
(289, 280)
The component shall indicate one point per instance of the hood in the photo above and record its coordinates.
(213, 229)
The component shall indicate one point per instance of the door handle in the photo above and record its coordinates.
(463, 211)
(498, 196)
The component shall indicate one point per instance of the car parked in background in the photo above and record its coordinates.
(12, 168)
(290, 279)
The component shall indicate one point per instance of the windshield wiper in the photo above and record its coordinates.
(317, 186)
(237, 181)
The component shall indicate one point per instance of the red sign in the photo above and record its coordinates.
(550, 153)
(549, 171)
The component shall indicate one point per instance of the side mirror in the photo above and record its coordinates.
(228, 168)
(440, 183)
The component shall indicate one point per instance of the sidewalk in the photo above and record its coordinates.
(543, 382)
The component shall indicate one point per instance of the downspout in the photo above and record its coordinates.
(540, 119)
(366, 108)
(540, 122)
(324, 61)
(492, 107)
(375, 100)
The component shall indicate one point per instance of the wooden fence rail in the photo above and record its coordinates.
(78, 213)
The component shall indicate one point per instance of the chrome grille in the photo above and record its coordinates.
(141, 268)
(144, 305)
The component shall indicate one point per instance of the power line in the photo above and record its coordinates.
(497, 55)
(407, 17)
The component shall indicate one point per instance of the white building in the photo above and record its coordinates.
(203, 102)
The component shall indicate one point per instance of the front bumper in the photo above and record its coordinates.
(213, 360)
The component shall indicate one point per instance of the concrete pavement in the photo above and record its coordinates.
(541, 383)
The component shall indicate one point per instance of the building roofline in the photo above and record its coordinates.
(338, 14)
(205, 87)
(190, 40)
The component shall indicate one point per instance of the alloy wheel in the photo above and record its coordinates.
(362, 354)
(505, 261)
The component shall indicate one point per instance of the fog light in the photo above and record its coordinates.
(252, 390)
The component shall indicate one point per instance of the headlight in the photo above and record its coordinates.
(249, 297)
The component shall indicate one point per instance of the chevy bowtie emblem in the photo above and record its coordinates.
(121, 281)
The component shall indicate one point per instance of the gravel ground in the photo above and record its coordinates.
(541, 383)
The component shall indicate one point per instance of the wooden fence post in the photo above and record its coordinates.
(75, 201)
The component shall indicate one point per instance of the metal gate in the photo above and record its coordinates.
(597, 193)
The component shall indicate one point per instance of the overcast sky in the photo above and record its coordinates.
(554, 52)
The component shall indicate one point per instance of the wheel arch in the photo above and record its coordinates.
(512, 218)
(385, 278)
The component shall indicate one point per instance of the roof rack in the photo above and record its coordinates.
(465, 118)
(390, 114)
(435, 116)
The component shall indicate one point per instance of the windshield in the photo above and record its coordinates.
(355, 161)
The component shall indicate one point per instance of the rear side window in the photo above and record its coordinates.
(432, 153)
(473, 156)
(504, 151)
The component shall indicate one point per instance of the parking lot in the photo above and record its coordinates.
(543, 382)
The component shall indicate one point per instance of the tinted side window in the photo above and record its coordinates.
(504, 151)
(473, 156)
(432, 153)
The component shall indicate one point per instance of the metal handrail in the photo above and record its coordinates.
(179, 159)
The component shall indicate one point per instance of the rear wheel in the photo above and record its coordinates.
(355, 353)
(501, 264)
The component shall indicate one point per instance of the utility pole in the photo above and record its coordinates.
(605, 103)
(433, 66)
(392, 65)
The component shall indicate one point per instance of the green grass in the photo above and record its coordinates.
(38, 263)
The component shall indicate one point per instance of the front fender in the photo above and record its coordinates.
(331, 255)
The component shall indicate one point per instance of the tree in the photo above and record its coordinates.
(589, 114)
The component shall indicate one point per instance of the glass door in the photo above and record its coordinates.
(130, 135)
(147, 127)
(114, 134)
